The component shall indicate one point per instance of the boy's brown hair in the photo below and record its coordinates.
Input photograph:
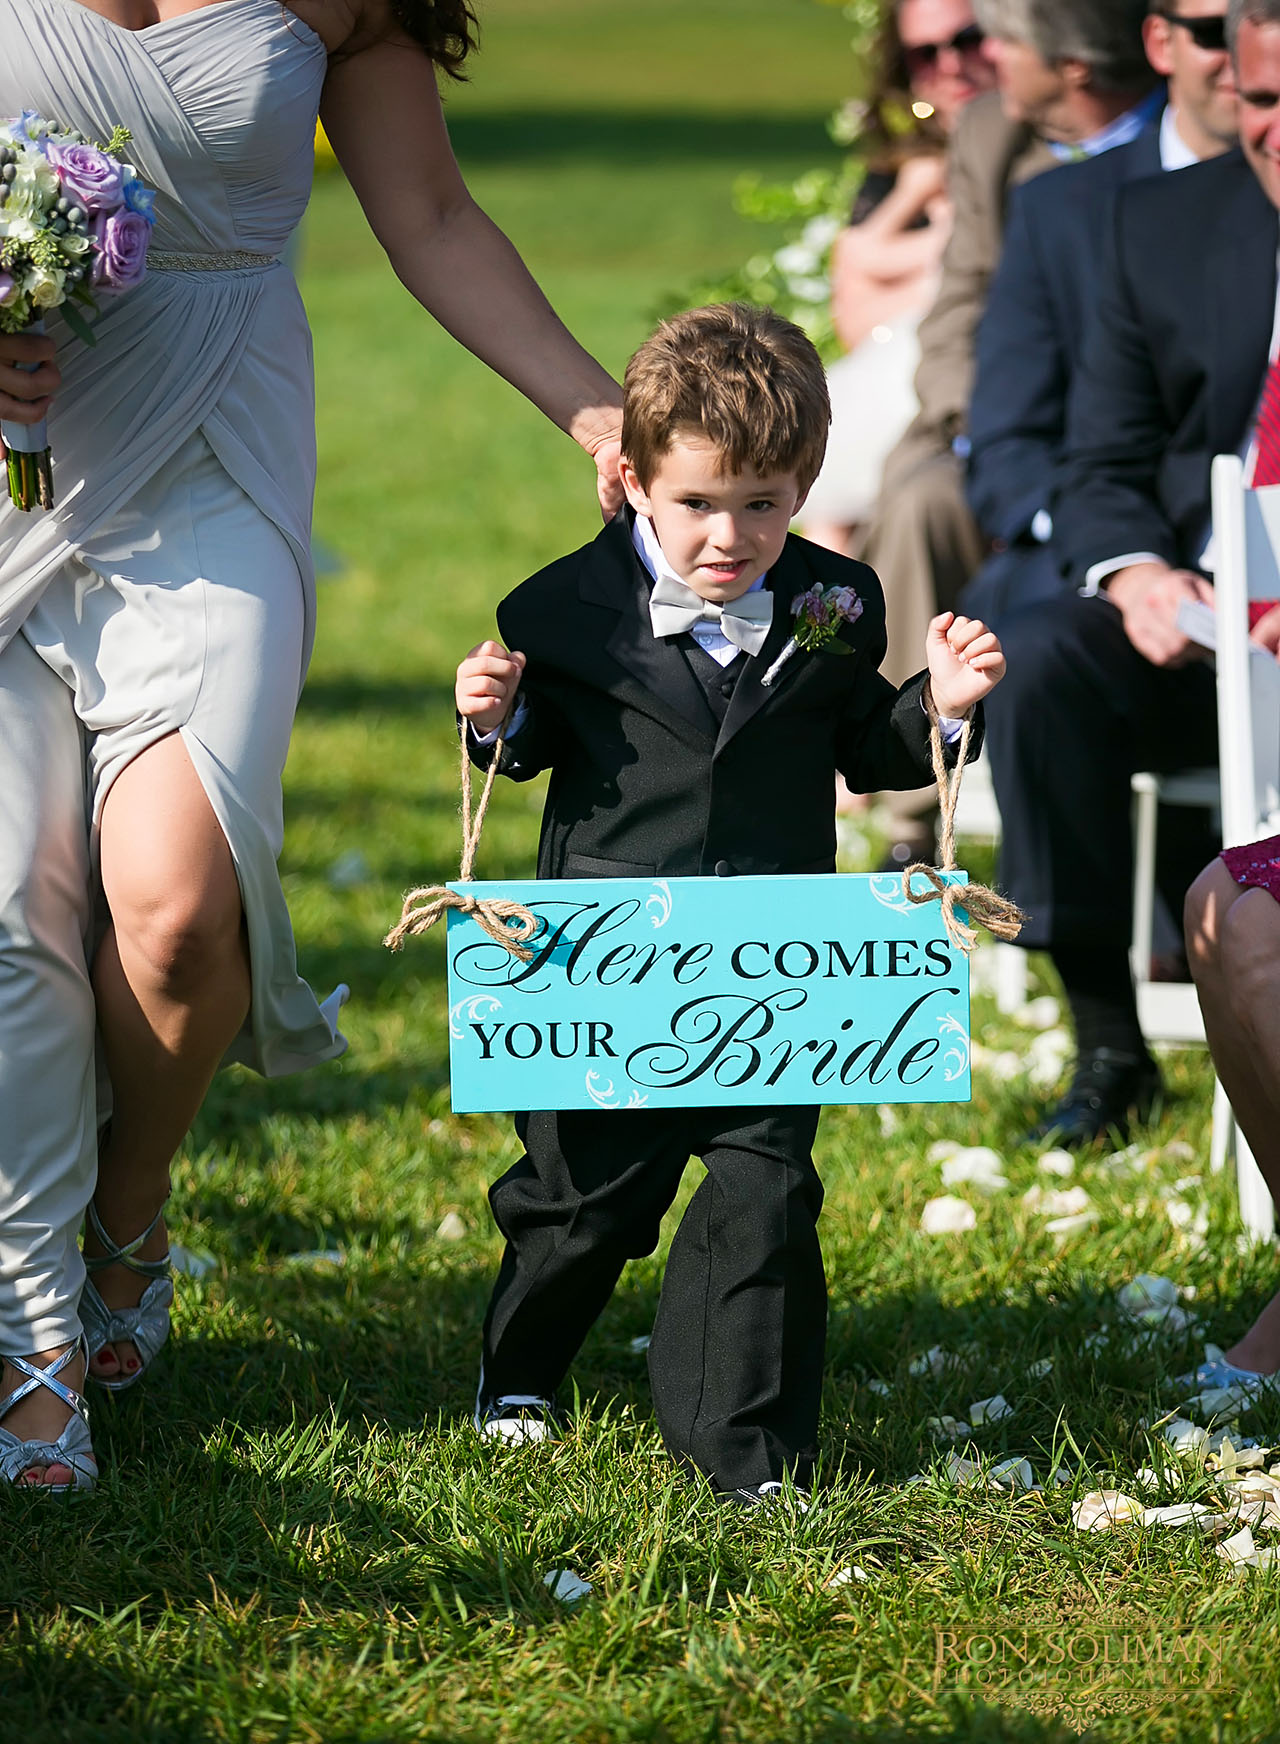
(744, 378)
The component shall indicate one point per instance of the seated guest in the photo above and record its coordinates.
(1031, 334)
(885, 263)
(1233, 943)
(1073, 80)
(1105, 682)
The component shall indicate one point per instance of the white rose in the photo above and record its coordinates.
(45, 286)
(17, 225)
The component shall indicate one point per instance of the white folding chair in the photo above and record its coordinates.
(978, 819)
(1246, 537)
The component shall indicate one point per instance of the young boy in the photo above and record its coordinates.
(638, 684)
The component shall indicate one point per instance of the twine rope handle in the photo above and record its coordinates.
(507, 923)
(1002, 918)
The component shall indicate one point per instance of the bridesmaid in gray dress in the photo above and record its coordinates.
(155, 628)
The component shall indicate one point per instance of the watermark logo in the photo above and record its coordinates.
(1079, 1662)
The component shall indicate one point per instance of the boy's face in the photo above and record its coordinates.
(718, 530)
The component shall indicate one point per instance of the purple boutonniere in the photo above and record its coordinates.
(819, 615)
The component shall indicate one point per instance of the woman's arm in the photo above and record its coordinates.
(879, 265)
(382, 113)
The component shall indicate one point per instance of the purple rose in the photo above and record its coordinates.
(89, 178)
(119, 242)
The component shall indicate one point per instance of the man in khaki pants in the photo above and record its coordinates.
(1073, 81)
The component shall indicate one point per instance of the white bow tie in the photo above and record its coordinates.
(675, 608)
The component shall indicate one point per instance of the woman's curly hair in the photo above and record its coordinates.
(446, 29)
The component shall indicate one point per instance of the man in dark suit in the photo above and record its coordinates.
(641, 683)
(1105, 681)
(1072, 80)
(1032, 331)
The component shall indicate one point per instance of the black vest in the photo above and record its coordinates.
(718, 682)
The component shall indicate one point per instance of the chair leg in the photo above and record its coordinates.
(1257, 1208)
(1146, 808)
(1011, 979)
(1222, 1146)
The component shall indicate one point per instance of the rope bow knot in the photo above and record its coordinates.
(1002, 918)
(507, 923)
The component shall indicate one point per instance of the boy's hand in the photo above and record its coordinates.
(966, 662)
(487, 682)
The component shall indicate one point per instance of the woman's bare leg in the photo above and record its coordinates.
(172, 985)
(1233, 943)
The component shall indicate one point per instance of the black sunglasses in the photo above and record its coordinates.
(1209, 34)
(923, 58)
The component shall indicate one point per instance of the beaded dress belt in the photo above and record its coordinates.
(237, 260)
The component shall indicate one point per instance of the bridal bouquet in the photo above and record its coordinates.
(75, 222)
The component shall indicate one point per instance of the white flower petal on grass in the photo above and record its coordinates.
(1057, 1201)
(963, 1471)
(641, 1344)
(1057, 1163)
(978, 1166)
(566, 1586)
(992, 1410)
(1100, 1510)
(1038, 1370)
(853, 1575)
(1014, 1474)
(889, 1119)
(942, 1151)
(452, 1228)
(191, 1262)
(881, 1388)
(1184, 1436)
(1238, 1550)
(1132, 1160)
(1042, 1013)
(1064, 1226)
(935, 1362)
(1148, 1298)
(1047, 1057)
(1178, 1514)
(1004, 1065)
(948, 1215)
(1178, 1151)
(948, 1428)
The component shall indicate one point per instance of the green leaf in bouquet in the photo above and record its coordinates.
(77, 323)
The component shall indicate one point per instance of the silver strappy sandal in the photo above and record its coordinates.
(73, 1447)
(145, 1327)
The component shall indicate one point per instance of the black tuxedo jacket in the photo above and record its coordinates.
(1173, 364)
(1032, 333)
(644, 781)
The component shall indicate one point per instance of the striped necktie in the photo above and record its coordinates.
(1266, 457)
(1266, 432)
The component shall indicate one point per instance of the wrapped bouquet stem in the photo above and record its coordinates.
(28, 462)
(75, 223)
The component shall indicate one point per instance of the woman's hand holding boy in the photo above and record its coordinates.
(966, 663)
(488, 680)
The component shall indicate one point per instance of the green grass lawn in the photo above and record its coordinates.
(297, 1536)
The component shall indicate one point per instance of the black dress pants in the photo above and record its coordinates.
(736, 1356)
(1079, 712)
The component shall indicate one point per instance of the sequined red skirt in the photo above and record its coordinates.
(1256, 865)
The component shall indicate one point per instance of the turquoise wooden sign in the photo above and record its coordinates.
(697, 992)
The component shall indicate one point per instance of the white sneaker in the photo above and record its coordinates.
(518, 1419)
(773, 1495)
